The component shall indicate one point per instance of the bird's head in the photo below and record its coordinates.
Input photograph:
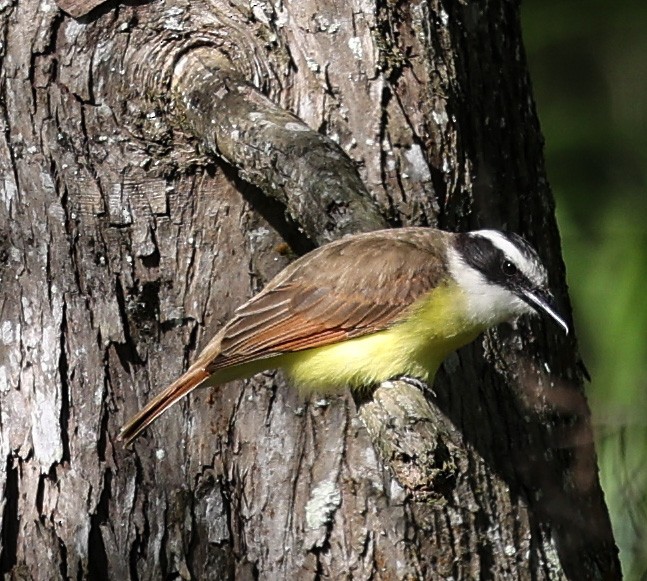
(501, 276)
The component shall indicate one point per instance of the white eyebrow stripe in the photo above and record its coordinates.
(503, 244)
(527, 265)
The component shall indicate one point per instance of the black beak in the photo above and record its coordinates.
(543, 302)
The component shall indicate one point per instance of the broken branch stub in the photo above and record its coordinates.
(272, 149)
(413, 437)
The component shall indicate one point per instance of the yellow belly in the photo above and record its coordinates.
(416, 347)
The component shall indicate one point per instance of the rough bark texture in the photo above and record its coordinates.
(126, 241)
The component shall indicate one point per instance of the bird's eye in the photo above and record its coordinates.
(508, 268)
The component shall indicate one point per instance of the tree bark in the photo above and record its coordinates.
(139, 210)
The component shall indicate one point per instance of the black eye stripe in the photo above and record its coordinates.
(482, 255)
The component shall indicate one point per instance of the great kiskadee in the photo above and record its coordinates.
(368, 308)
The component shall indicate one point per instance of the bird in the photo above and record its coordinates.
(368, 308)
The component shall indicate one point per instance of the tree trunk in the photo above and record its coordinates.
(141, 207)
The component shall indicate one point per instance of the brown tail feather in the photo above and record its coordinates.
(157, 406)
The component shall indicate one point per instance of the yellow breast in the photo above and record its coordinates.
(432, 328)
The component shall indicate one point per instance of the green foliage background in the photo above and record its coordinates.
(588, 62)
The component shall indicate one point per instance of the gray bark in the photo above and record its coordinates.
(134, 220)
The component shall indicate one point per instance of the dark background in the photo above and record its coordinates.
(588, 62)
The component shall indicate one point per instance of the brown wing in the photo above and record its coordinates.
(346, 289)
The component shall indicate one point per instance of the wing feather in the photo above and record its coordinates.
(320, 299)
